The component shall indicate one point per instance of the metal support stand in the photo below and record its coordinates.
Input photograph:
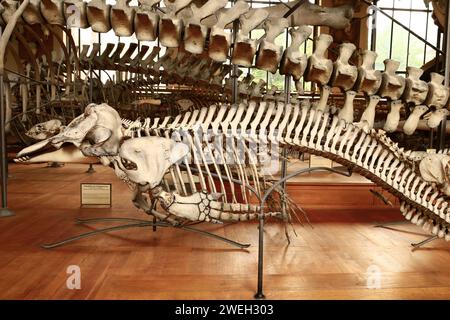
(90, 169)
(416, 245)
(420, 244)
(137, 223)
(259, 293)
(54, 165)
(4, 211)
(443, 126)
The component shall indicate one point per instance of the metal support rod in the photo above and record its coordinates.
(4, 211)
(293, 8)
(136, 223)
(234, 74)
(373, 37)
(421, 243)
(259, 293)
(443, 126)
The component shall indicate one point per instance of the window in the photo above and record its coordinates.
(393, 41)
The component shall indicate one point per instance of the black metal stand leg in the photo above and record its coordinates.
(135, 223)
(259, 294)
(91, 168)
(92, 233)
(4, 210)
(421, 243)
(54, 165)
(392, 223)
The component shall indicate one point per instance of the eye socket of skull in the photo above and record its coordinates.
(146, 160)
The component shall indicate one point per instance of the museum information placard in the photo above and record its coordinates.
(95, 195)
(318, 161)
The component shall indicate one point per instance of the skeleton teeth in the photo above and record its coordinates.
(415, 219)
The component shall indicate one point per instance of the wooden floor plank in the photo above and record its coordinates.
(329, 260)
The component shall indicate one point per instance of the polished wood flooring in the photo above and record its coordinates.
(332, 260)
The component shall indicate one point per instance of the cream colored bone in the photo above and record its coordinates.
(146, 20)
(32, 13)
(122, 18)
(393, 117)
(294, 62)
(320, 68)
(269, 53)
(438, 94)
(245, 47)
(66, 154)
(368, 115)
(45, 130)
(346, 113)
(344, 75)
(392, 85)
(195, 32)
(369, 80)
(413, 119)
(53, 11)
(435, 168)
(97, 132)
(170, 24)
(416, 90)
(98, 15)
(307, 14)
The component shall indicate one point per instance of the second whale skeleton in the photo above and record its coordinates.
(405, 96)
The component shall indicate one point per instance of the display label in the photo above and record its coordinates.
(95, 195)
(318, 161)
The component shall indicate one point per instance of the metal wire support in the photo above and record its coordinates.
(234, 74)
(4, 211)
(259, 293)
(137, 223)
(90, 169)
(443, 126)
(417, 245)
(421, 243)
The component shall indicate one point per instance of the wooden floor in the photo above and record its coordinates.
(332, 260)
